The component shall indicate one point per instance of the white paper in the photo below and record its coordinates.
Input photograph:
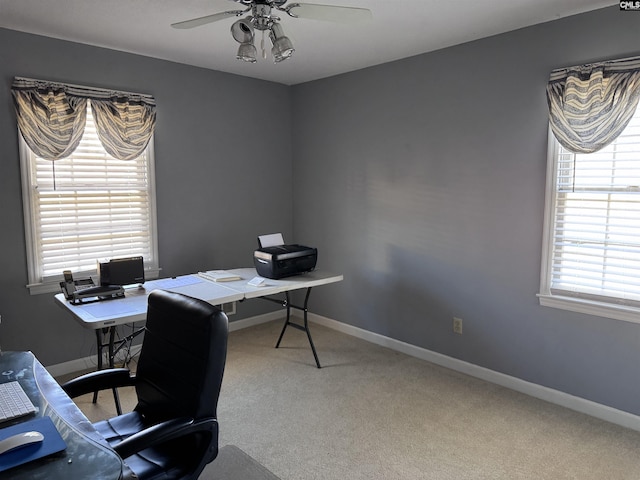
(271, 240)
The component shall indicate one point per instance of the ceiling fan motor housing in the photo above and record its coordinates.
(262, 19)
(275, 3)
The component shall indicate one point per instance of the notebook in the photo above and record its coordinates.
(219, 276)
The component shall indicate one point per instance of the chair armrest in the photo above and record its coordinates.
(99, 380)
(163, 432)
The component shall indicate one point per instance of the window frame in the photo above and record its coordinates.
(589, 306)
(37, 284)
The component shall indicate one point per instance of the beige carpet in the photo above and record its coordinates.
(372, 413)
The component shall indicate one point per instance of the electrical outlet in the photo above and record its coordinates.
(457, 325)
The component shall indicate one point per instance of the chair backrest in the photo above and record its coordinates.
(182, 358)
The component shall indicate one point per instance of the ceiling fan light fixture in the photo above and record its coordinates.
(242, 31)
(282, 50)
(247, 52)
(282, 46)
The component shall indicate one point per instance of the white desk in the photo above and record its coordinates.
(103, 316)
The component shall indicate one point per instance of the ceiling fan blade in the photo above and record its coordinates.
(196, 22)
(330, 13)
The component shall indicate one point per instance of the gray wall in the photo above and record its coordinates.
(215, 193)
(423, 181)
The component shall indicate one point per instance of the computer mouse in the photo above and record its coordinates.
(20, 440)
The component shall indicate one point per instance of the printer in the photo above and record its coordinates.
(274, 259)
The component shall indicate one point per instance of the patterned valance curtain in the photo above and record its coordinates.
(124, 126)
(51, 117)
(51, 122)
(590, 105)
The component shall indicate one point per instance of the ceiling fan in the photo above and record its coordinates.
(262, 16)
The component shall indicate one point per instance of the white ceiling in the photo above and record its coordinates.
(399, 29)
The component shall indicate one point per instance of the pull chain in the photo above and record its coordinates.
(53, 167)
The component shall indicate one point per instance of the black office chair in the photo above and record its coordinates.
(172, 433)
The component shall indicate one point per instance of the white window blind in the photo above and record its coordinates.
(88, 207)
(592, 250)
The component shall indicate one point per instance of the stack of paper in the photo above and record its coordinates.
(219, 276)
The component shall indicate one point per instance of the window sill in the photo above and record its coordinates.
(591, 307)
(54, 287)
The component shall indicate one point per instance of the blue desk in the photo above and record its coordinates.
(87, 455)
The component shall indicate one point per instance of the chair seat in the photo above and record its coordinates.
(117, 429)
(151, 463)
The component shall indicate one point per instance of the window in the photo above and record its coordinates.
(591, 251)
(86, 207)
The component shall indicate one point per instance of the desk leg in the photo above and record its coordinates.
(288, 322)
(116, 398)
(112, 338)
(100, 346)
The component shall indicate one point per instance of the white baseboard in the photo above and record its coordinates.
(597, 410)
(257, 320)
(86, 363)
